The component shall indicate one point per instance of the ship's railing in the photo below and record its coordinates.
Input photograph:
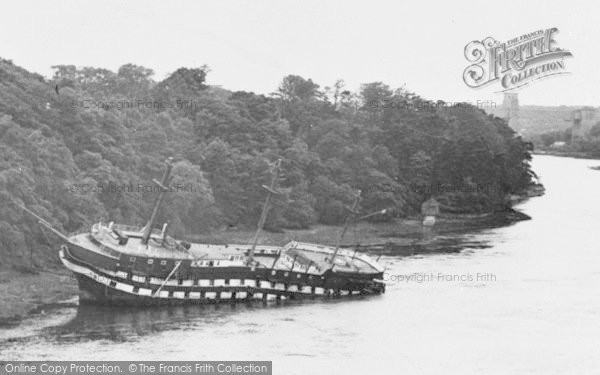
(128, 228)
(110, 251)
(345, 252)
(175, 245)
(169, 241)
(103, 249)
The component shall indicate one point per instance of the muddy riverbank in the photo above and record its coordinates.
(28, 293)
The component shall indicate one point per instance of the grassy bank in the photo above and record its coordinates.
(27, 293)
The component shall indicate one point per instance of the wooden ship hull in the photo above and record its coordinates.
(107, 276)
(117, 264)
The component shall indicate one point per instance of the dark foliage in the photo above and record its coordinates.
(89, 151)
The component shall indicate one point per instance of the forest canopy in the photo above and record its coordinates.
(76, 149)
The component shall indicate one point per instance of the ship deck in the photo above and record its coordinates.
(293, 256)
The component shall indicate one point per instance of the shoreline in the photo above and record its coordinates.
(566, 154)
(569, 154)
(400, 234)
(26, 294)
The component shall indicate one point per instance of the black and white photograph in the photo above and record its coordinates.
(280, 187)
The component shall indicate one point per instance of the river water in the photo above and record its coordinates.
(522, 299)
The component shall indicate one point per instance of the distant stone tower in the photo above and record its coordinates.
(510, 106)
(583, 120)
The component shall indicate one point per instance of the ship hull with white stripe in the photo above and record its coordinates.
(119, 264)
(124, 285)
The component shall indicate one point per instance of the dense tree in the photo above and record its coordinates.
(66, 155)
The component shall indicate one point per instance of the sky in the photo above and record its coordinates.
(252, 45)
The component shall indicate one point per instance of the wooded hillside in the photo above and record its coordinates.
(68, 144)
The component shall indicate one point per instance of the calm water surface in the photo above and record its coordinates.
(538, 311)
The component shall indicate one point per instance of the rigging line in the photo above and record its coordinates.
(354, 229)
(167, 279)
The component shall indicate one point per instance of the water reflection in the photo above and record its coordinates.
(439, 245)
(126, 324)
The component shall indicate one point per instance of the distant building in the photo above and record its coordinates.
(430, 209)
(532, 120)
(583, 120)
(510, 109)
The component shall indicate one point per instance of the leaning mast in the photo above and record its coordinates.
(349, 219)
(263, 216)
(163, 185)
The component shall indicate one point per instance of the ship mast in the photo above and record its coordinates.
(349, 219)
(163, 185)
(263, 216)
